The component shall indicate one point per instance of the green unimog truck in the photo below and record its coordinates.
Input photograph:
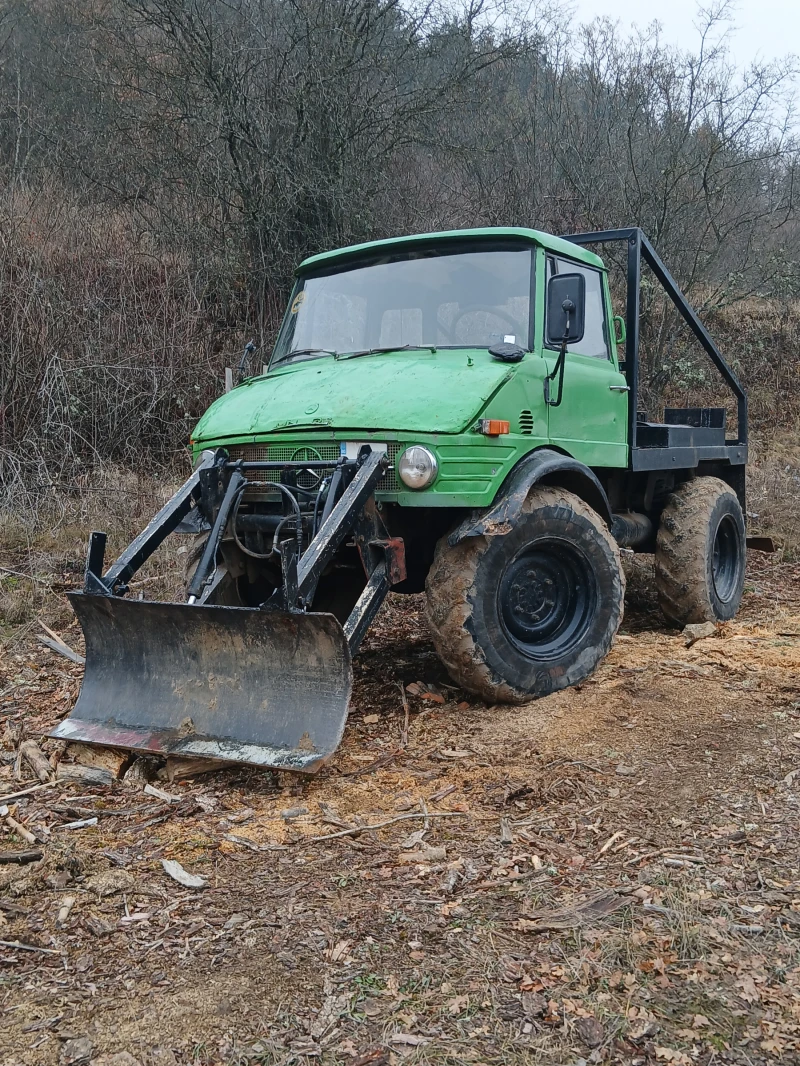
(445, 413)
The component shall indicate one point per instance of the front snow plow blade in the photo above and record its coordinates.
(268, 688)
(269, 685)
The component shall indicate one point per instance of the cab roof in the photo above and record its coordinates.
(532, 236)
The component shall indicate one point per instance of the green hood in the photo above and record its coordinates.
(420, 392)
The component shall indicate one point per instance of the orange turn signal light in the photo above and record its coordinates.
(494, 427)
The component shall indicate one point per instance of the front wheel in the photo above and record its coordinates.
(524, 614)
(701, 553)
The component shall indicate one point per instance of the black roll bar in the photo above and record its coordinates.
(639, 247)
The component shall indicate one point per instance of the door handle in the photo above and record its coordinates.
(620, 388)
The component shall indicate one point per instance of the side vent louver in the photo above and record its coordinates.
(526, 422)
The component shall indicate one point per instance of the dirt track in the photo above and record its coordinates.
(609, 874)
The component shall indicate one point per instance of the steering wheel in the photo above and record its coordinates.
(498, 311)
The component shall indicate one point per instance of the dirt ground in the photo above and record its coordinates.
(611, 874)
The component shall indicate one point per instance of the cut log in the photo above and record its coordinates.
(114, 760)
(36, 759)
(176, 769)
(88, 775)
(19, 857)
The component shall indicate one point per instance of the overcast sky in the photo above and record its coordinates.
(765, 29)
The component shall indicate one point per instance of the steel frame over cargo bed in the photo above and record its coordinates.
(687, 436)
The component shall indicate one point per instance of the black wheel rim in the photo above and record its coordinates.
(726, 559)
(547, 599)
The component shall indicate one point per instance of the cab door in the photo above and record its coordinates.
(591, 422)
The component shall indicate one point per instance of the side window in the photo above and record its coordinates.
(595, 337)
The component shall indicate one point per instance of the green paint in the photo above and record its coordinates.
(417, 391)
(530, 236)
(437, 397)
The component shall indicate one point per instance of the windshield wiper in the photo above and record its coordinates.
(308, 351)
(386, 350)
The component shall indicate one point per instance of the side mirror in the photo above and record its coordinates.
(566, 308)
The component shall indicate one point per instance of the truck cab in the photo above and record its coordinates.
(436, 341)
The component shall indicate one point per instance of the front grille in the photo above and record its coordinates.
(316, 450)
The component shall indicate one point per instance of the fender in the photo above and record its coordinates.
(544, 464)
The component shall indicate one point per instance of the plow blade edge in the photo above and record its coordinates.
(266, 688)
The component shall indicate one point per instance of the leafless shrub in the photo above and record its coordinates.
(168, 162)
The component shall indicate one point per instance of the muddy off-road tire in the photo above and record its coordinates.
(226, 594)
(701, 553)
(521, 615)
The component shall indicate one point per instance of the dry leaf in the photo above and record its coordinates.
(749, 993)
(457, 1005)
(668, 1054)
(339, 950)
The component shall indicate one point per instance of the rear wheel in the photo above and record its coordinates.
(518, 616)
(701, 553)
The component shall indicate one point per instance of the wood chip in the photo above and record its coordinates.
(64, 910)
(183, 877)
(83, 823)
(167, 797)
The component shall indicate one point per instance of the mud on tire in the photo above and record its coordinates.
(524, 614)
(700, 553)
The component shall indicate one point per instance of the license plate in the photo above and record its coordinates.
(350, 448)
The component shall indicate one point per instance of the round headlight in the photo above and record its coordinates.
(417, 467)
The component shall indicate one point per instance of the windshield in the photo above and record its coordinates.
(419, 299)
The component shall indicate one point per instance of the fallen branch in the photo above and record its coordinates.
(17, 827)
(406, 711)
(27, 947)
(26, 791)
(18, 573)
(376, 764)
(20, 856)
(382, 825)
(62, 649)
